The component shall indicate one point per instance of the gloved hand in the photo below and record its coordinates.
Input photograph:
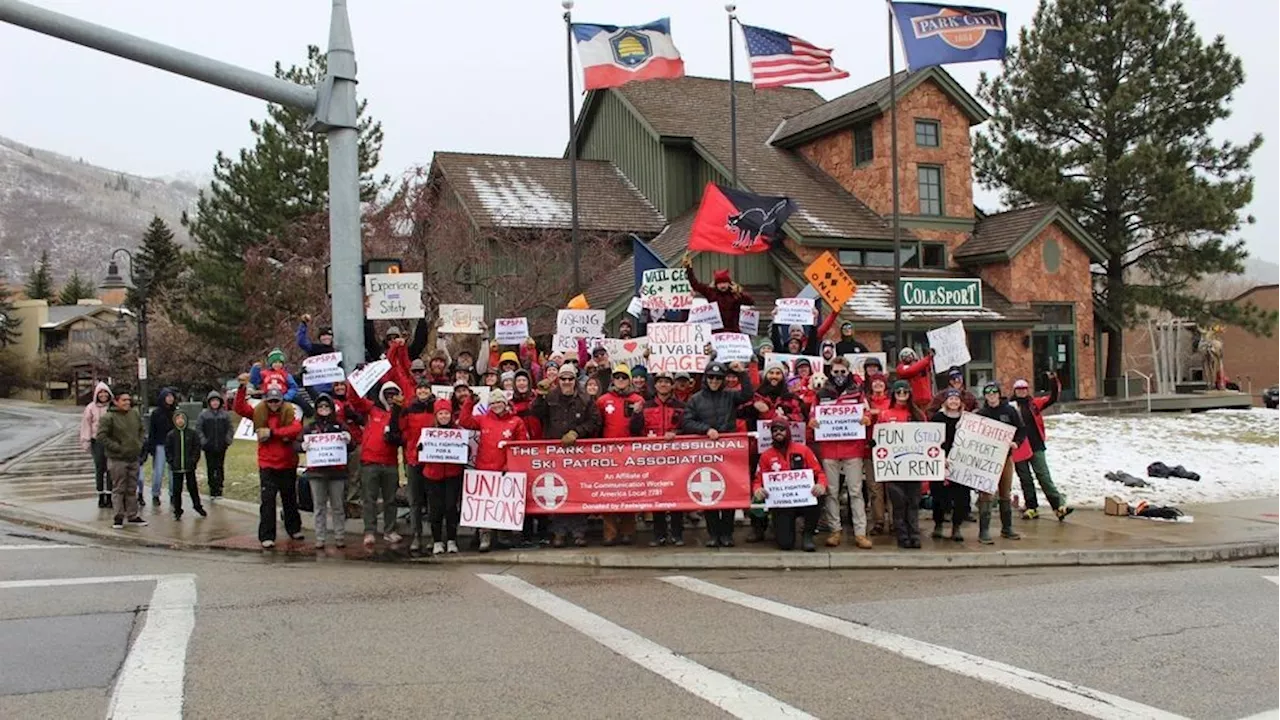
(760, 495)
(819, 490)
(306, 444)
(263, 434)
(569, 438)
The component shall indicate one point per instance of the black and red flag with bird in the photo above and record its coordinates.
(734, 222)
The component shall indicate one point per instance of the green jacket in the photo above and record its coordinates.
(120, 433)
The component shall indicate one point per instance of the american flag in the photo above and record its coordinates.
(779, 59)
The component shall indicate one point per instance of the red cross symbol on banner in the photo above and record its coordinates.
(550, 491)
(705, 486)
(882, 453)
(933, 452)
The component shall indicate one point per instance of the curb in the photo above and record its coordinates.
(697, 559)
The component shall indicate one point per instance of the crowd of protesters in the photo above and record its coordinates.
(568, 397)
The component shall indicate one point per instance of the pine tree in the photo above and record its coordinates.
(9, 323)
(76, 288)
(259, 195)
(1104, 107)
(158, 264)
(40, 280)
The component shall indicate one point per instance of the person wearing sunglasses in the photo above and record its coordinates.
(277, 426)
(843, 459)
(904, 495)
(997, 408)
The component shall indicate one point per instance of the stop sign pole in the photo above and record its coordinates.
(333, 111)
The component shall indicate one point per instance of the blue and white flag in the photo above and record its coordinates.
(940, 34)
(612, 55)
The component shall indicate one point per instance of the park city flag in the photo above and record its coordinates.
(779, 59)
(734, 222)
(613, 55)
(941, 34)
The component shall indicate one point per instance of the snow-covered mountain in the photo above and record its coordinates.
(77, 211)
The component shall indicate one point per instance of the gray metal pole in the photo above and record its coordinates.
(337, 115)
(733, 105)
(573, 151)
(893, 155)
(158, 55)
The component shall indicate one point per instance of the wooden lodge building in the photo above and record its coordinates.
(647, 149)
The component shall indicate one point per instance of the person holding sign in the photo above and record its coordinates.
(418, 415)
(772, 400)
(722, 292)
(783, 454)
(497, 427)
(328, 481)
(616, 407)
(843, 458)
(660, 417)
(444, 490)
(878, 400)
(918, 372)
(997, 408)
(951, 495)
(905, 496)
(1030, 455)
(955, 381)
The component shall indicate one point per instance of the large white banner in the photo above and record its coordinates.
(393, 296)
(979, 452)
(950, 346)
(678, 347)
(909, 452)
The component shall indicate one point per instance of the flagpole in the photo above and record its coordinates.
(733, 103)
(893, 156)
(573, 150)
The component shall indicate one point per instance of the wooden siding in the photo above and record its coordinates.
(682, 191)
(754, 269)
(615, 134)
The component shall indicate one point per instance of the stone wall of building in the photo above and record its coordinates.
(1251, 360)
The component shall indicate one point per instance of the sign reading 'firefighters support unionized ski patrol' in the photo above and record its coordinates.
(634, 474)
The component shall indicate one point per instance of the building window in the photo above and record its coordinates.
(1057, 315)
(1051, 253)
(930, 184)
(914, 255)
(934, 255)
(927, 133)
(864, 150)
(84, 337)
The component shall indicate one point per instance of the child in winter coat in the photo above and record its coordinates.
(216, 432)
(93, 412)
(328, 481)
(182, 450)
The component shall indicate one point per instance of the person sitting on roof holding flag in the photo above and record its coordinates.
(724, 292)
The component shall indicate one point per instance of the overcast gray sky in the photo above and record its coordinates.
(479, 76)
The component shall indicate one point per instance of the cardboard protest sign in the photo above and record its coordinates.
(840, 421)
(979, 452)
(749, 320)
(909, 452)
(580, 323)
(444, 445)
(511, 331)
(788, 488)
(830, 280)
(858, 361)
(493, 500)
(678, 347)
(950, 346)
(326, 450)
(732, 347)
(707, 314)
(442, 392)
(666, 289)
(322, 369)
(627, 352)
(793, 311)
(815, 363)
(244, 431)
(393, 296)
(366, 377)
(764, 438)
(461, 319)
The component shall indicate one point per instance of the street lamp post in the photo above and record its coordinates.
(114, 281)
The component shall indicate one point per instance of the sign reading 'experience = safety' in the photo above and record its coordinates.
(634, 475)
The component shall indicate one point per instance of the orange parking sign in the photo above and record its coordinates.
(831, 281)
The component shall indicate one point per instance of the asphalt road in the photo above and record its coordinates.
(22, 427)
(94, 631)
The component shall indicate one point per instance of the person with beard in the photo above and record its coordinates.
(878, 400)
(418, 415)
(1030, 455)
(847, 344)
(997, 408)
(711, 411)
(785, 454)
(905, 495)
(955, 381)
(683, 388)
(444, 491)
(380, 447)
(660, 417)
(89, 420)
(438, 368)
(949, 494)
(616, 407)
(626, 330)
(327, 481)
(277, 428)
(843, 459)
(567, 414)
(772, 400)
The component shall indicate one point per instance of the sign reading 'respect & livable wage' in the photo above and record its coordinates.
(979, 452)
(678, 347)
(788, 488)
(393, 296)
(909, 452)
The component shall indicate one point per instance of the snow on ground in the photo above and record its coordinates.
(1235, 452)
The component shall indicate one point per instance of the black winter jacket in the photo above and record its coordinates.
(718, 409)
(214, 426)
(561, 413)
(1005, 413)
